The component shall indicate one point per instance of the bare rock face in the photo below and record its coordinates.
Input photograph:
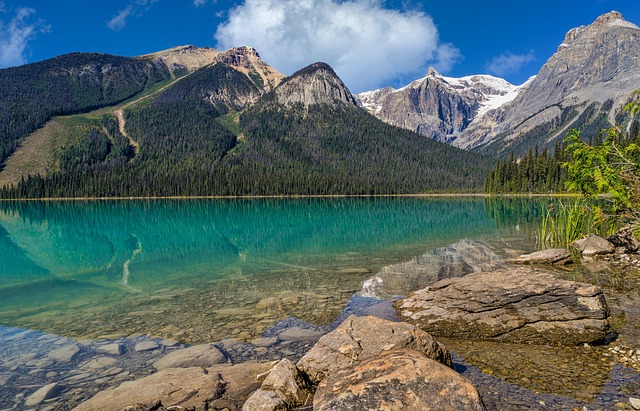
(247, 60)
(359, 338)
(558, 256)
(436, 106)
(519, 305)
(397, 380)
(592, 73)
(314, 84)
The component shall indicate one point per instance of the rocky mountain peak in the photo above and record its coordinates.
(247, 60)
(186, 57)
(314, 84)
(607, 18)
(593, 72)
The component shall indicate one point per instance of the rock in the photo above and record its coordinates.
(635, 403)
(519, 305)
(552, 256)
(146, 346)
(299, 334)
(183, 386)
(359, 338)
(626, 240)
(262, 400)
(111, 349)
(265, 342)
(218, 387)
(204, 355)
(289, 383)
(593, 245)
(43, 394)
(397, 380)
(65, 354)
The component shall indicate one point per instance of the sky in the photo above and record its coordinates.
(369, 43)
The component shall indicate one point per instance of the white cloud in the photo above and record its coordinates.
(366, 44)
(16, 34)
(198, 3)
(134, 8)
(508, 63)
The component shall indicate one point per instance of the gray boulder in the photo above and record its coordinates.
(520, 305)
(359, 338)
(397, 380)
(593, 245)
(558, 256)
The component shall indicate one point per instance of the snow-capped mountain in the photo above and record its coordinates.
(437, 106)
(583, 85)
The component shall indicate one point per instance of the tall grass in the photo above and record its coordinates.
(563, 223)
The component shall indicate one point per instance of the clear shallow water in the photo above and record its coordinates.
(209, 270)
(189, 269)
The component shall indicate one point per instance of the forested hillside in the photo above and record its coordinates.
(206, 135)
(31, 94)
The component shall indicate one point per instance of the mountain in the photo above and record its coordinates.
(439, 107)
(234, 127)
(583, 85)
(593, 72)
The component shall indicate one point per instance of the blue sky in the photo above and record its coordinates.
(370, 43)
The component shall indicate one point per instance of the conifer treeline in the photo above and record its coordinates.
(537, 172)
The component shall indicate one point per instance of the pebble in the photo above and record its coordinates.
(635, 403)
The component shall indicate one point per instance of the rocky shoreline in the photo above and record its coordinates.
(44, 372)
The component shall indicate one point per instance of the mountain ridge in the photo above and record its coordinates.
(582, 85)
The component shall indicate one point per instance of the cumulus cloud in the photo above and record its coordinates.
(508, 63)
(366, 44)
(16, 33)
(134, 8)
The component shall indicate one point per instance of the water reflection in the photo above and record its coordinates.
(103, 255)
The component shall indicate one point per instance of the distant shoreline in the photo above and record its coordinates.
(293, 196)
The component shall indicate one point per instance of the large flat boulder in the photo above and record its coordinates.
(359, 338)
(397, 380)
(218, 387)
(520, 305)
(558, 256)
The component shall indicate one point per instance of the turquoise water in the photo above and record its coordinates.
(194, 270)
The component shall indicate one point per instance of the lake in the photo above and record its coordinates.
(241, 272)
(89, 269)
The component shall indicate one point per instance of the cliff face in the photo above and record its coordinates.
(314, 84)
(247, 60)
(583, 84)
(436, 106)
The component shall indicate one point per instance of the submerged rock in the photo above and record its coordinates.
(557, 256)
(43, 394)
(204, 355)
(359, 338)
(520, 305)
(397, 380)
